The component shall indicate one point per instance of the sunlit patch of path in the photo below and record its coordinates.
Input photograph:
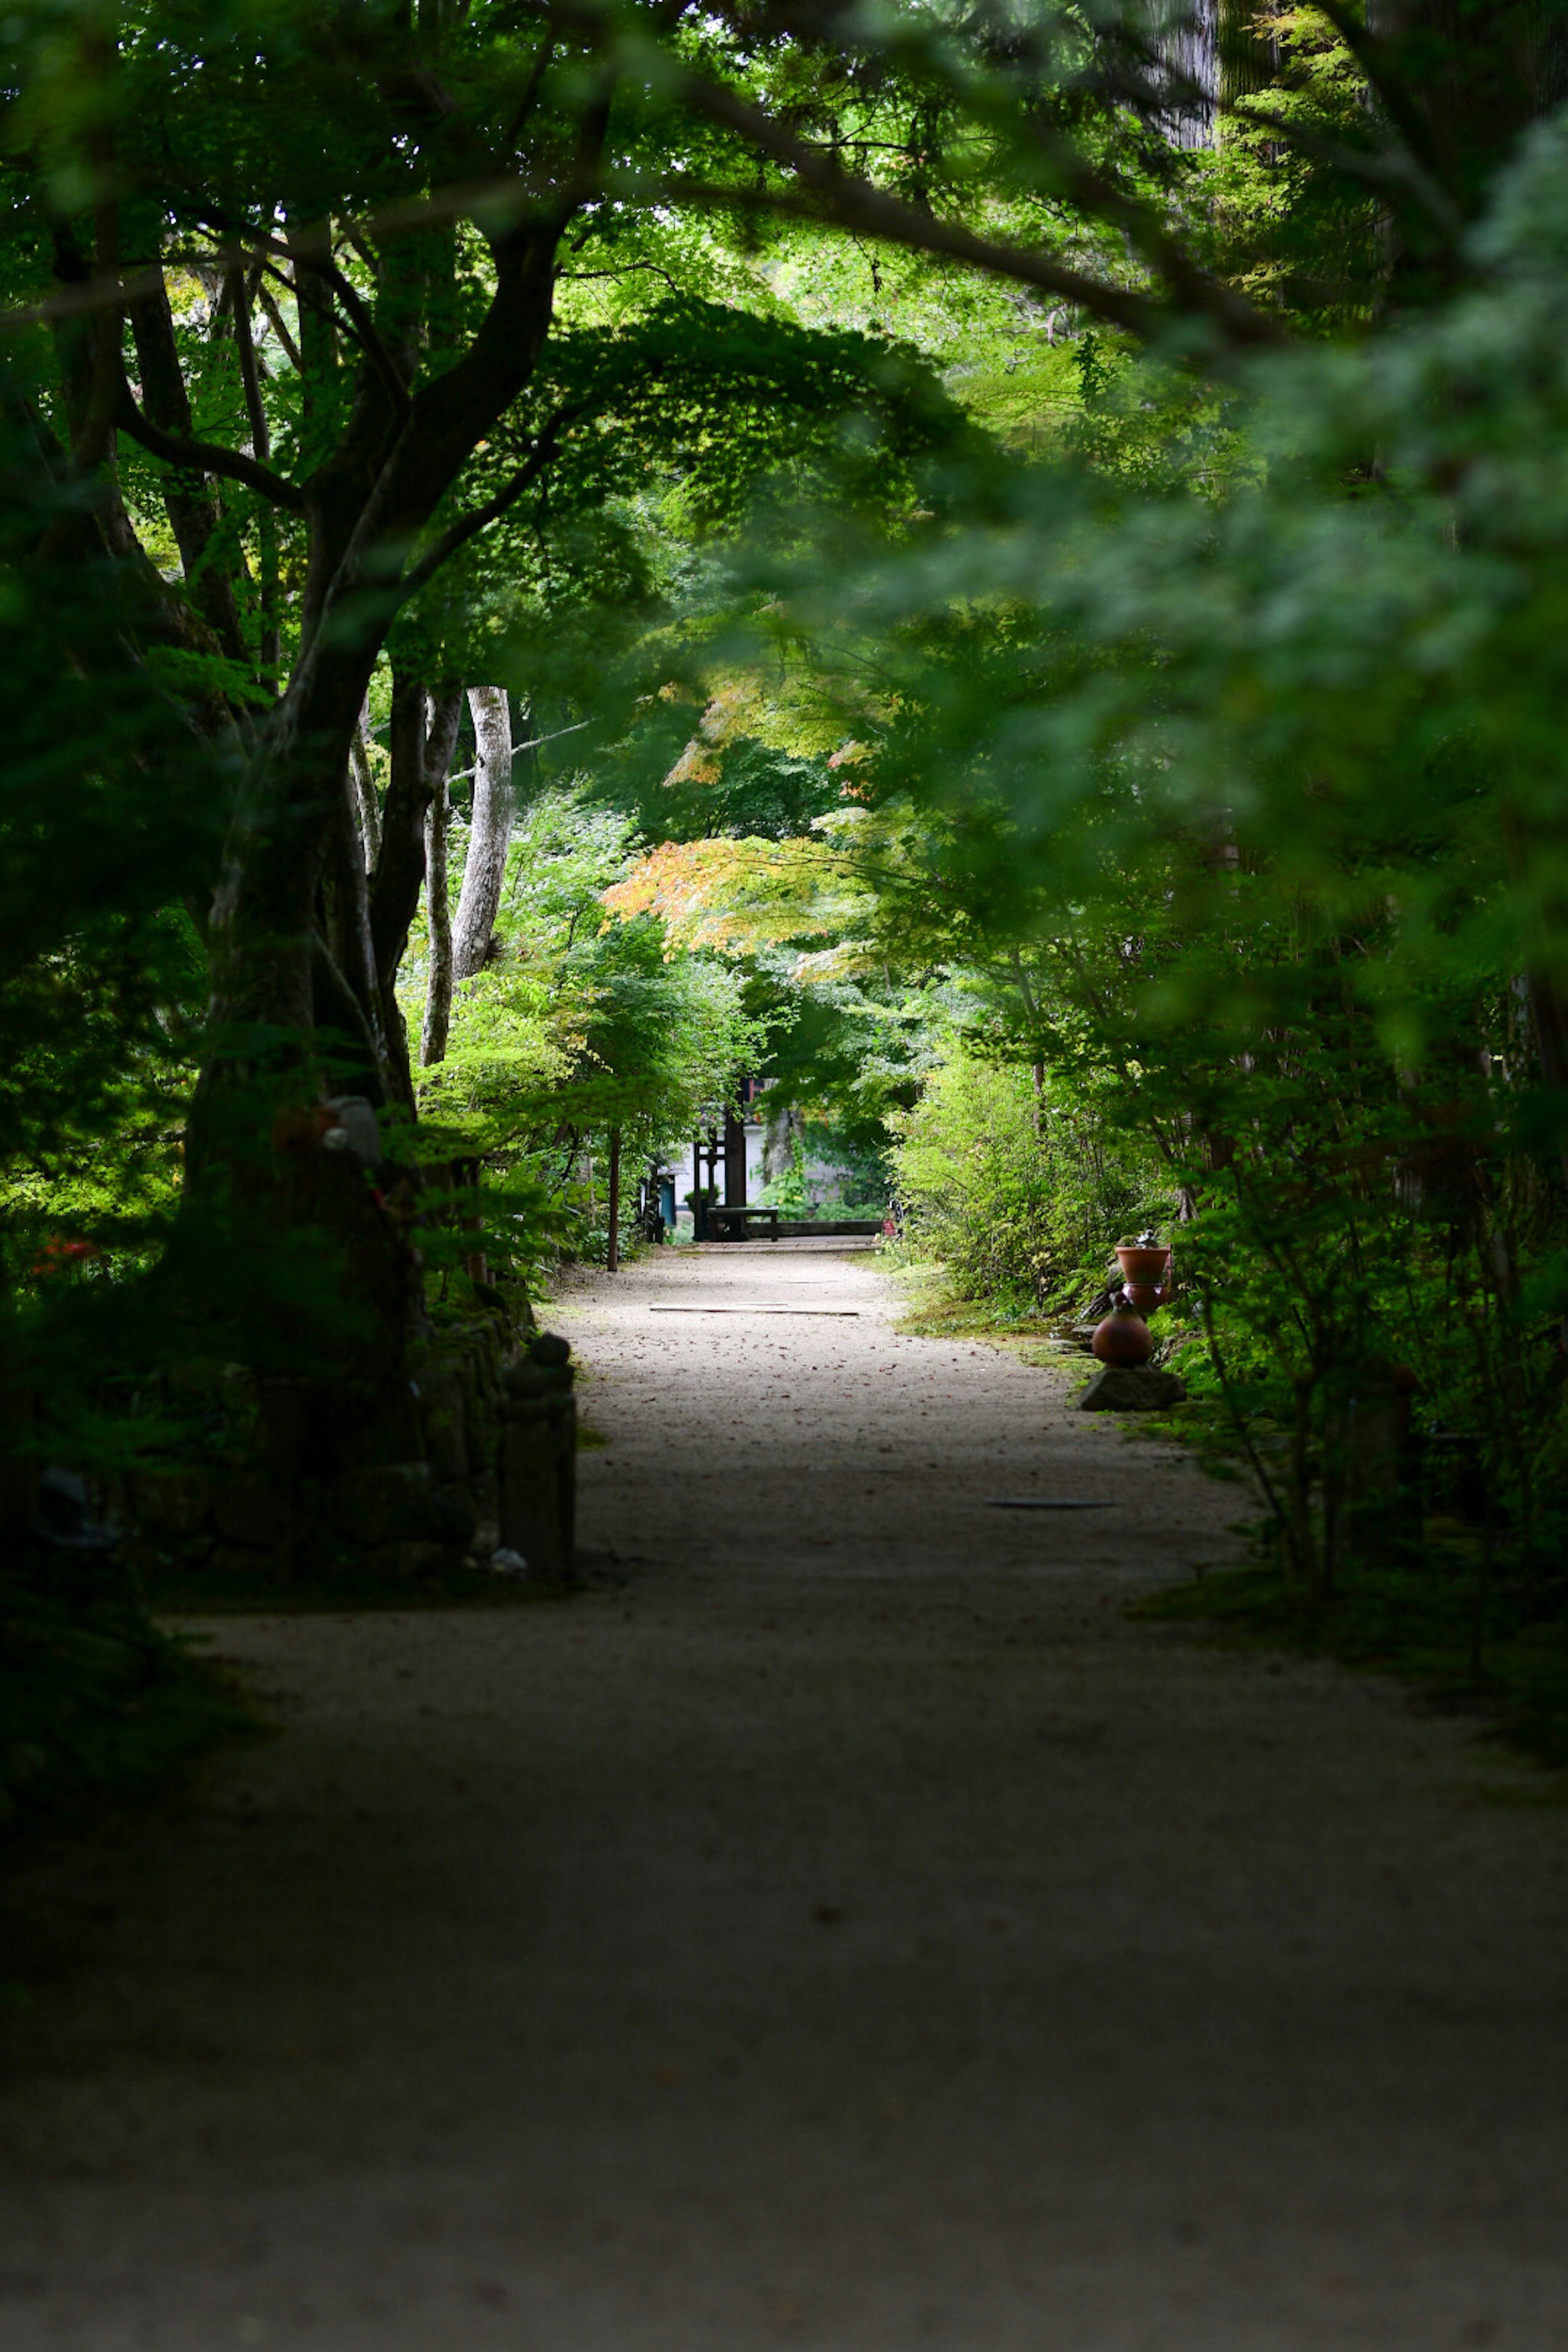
(841, 1927)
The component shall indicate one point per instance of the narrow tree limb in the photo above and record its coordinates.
(422, 735)
(854, 203)
(525, 104)
(204, 456)
(872, 213)
(337, 1006)
(261, 450)
(275, 321)
(467, 527)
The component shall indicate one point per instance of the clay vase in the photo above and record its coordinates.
(1145, 1296)
(1123, 1339)
(1143, 1264)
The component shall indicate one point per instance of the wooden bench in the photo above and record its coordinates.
(730, 1224)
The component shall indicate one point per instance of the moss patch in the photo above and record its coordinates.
(935, 1311)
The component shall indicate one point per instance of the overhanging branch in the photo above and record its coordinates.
(469, 526)
(847, 202)
(204, 456)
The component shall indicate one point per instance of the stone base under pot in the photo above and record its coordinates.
(1124, 1388)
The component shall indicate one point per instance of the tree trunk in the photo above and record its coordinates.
(1190, 51)
(489, 835)
(190, 504)
(347, 993)
(366, 807)
(734, 1158)
(287, 1256)
(423, 733)
(613, 1255)
(438, 910)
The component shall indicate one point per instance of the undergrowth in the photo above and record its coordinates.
(98, 1704)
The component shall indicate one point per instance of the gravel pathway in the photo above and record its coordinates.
(840, 1928)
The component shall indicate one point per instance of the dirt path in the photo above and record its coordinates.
(851, 1932)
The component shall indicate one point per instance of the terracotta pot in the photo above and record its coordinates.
(1143, 1264)
(1146, 1295)
(1122, 1338)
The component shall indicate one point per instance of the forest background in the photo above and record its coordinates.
(998, 567)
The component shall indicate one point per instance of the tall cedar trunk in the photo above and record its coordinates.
(1190, 51)
(489, 835)
(438, 914)
(1246, 59)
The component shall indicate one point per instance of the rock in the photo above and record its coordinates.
(65, 1520)
(534, 1488)
(442, 1418)
(403, 1562)
(504, 1562)
(138, 1556)
(526, 1381)
(549, 1347)
(354, 1129)
(249, 1512)
(1124, 1389)
(456, 1520)
(173, 1501)
(385, 1503)
(244, 1564)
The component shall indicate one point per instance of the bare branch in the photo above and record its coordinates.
(655, 268)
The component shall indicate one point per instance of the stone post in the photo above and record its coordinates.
(536, 1464)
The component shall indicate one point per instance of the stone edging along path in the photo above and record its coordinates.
(839, 1927)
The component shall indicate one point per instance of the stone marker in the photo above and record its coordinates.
(1123, 1389)
(536, 1462)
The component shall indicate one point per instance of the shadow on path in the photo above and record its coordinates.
(845, 1930)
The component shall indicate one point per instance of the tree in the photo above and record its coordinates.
(286, 290)
(490, 830)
